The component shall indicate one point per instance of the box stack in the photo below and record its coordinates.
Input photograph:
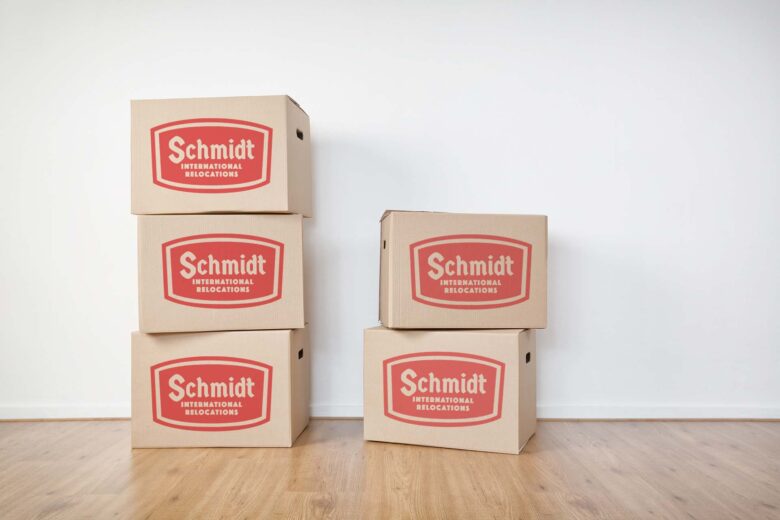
(221, 186)
(473, 388)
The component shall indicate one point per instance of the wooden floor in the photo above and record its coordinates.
(624, 470)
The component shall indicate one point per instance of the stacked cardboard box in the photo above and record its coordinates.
(473, 388)
(221, 186)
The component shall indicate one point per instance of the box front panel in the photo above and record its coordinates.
(469, 271)
(212, 389)
(454, 389)
(210, 155)
(220, 272)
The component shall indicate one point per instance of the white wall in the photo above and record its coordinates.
(647, 131)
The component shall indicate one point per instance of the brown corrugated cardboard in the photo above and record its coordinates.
(219, 389)
(463, 271)
(220, 155)
(220, 272)
(468, 389)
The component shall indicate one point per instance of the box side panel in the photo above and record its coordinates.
(392, 257)
(300, 363)
(138, 396)
(299, 175)
(372, 385)
(137, 158)
(384, 272)
(144, 271)
(527, 387)
(541, 276)
(298, 292)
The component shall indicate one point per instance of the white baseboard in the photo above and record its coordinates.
(657, 412)
(65, 411)
(337, 410)
(605, 411)
(122, 410)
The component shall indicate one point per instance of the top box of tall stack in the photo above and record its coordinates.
(463, 271)
(220, 155)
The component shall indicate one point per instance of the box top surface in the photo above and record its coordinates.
(214, 334)
(224, 215)
(386, 330)
(389, 212)
(222, 98)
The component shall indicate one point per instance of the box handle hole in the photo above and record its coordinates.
(384, 244)
(300, 354)
(299, 134)
(527, 357)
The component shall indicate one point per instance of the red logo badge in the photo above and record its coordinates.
(222, 271)
(211, 155)
(211, 393)
(443, 389)
(470, 271)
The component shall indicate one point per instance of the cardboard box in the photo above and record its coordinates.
(228, 155)
(463, 271)
(220, 272)
(246, 388)
(468, 389)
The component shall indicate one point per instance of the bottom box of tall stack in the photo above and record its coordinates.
(220, 389)
(466, 389)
